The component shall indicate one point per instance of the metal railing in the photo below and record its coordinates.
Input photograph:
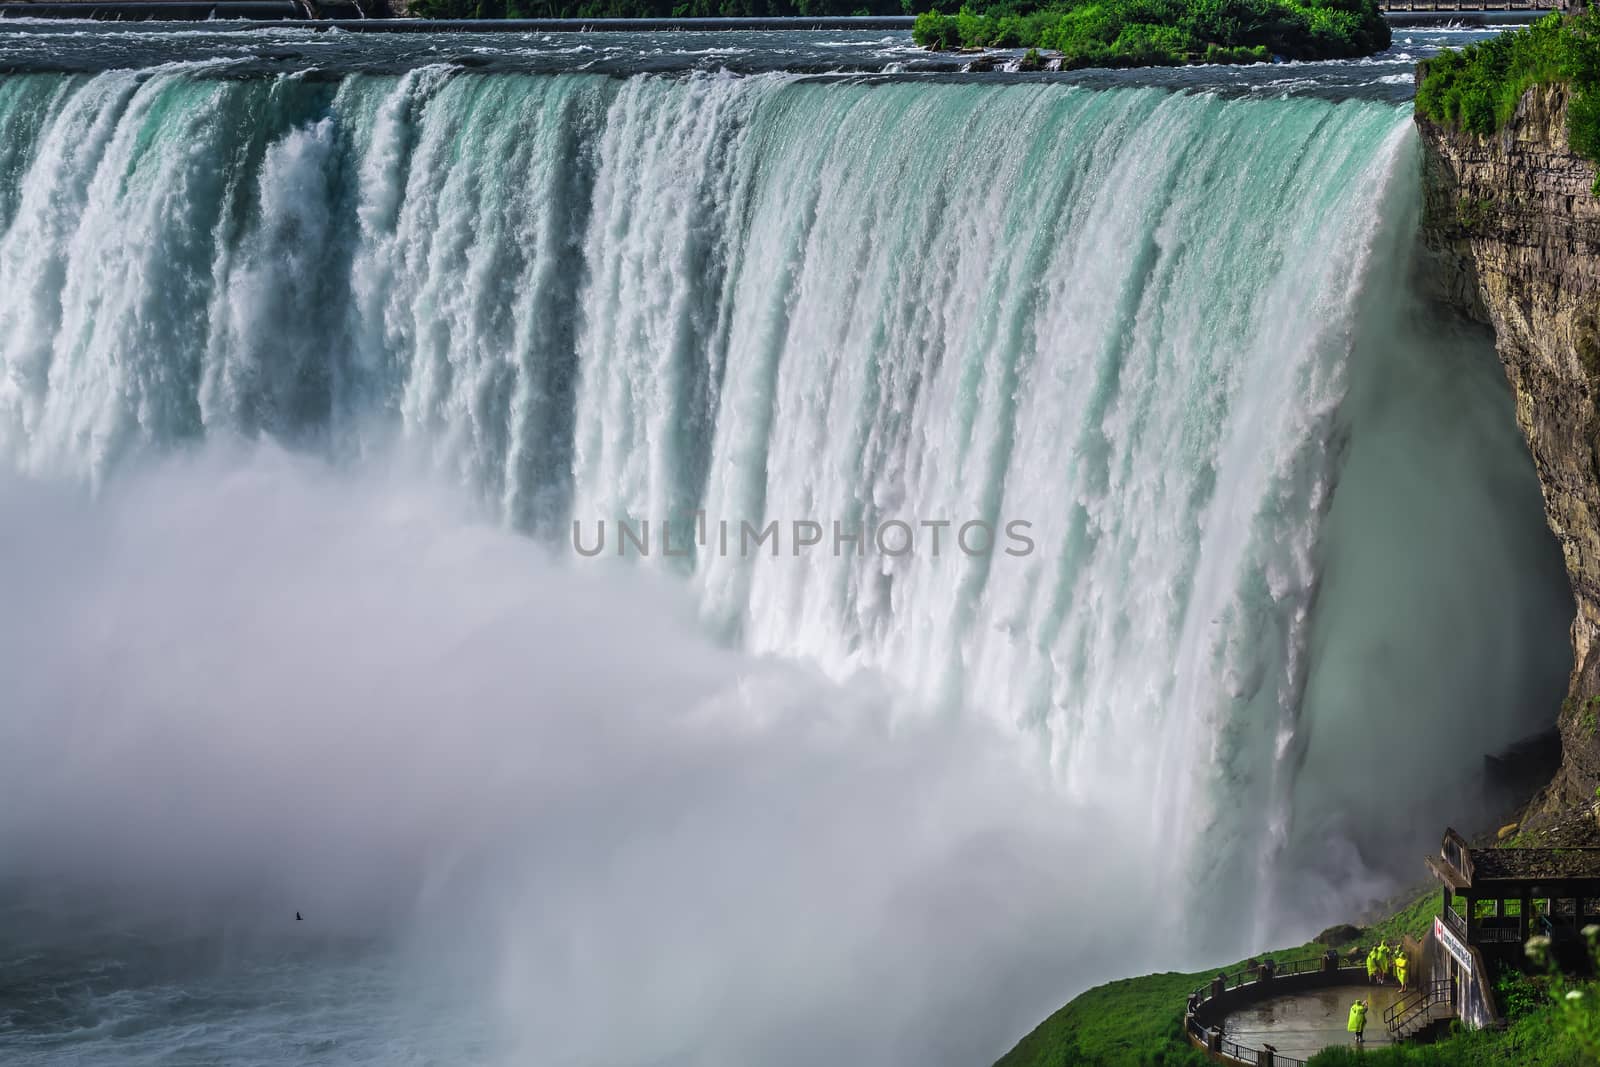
(1305, 966)
(1239, 1053)
(1234, 1051)
(1461, 5)
(1414, 1006)
(1501, 934)
(1253, 974)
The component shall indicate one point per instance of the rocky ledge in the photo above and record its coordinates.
(1512, 231)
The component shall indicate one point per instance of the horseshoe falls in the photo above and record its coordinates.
(315, 385)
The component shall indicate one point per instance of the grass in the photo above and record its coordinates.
(1414, 920)
(1124, 33)
(1477, 89)
(1136, 1022)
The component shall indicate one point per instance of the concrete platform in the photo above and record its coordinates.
(1302, 1024)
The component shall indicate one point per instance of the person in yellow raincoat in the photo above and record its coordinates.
(1401, 964)
(1372, 964)
(1385, 960)
(1358, 1020)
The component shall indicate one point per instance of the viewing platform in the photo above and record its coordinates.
(1281, 1014)
(1495, 899)
(1299, 1025)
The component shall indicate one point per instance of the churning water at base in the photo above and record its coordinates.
(1159, 329)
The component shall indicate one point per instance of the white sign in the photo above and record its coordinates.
(1447, 937)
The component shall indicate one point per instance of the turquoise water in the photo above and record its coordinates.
(47, 45)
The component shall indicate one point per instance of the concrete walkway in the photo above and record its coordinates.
(1302, 1024)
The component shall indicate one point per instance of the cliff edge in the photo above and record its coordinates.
(1511, 228)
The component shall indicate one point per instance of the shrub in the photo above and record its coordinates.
(1165, 32)
(937, 31)
(1476, 89)
(1517, 994)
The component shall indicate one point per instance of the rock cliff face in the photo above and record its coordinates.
(1512, 232)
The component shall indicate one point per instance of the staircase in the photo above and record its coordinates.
(1418, 1010)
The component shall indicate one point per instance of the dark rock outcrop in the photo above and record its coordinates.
(1344, 934)
(1512, 231)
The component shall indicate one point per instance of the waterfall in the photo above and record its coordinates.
(1128, 320)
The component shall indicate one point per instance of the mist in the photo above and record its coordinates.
(1439, 636)
(242, 684)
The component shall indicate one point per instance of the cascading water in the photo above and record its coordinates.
(1144, 324)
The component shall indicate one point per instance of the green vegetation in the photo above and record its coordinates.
(1589, 717)
(1138, 1022)
(1517, 994)
(1588, 345)
(1471, 214)
(1477, 89)
(1134, 1021)
(1130, 33)
(1414, 920)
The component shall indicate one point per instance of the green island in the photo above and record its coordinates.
(1136, 33)
(1138, 1022)
(1476, 89)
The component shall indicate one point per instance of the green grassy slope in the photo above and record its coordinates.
(1130, 1023)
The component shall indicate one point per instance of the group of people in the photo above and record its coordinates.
(1382, 961)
